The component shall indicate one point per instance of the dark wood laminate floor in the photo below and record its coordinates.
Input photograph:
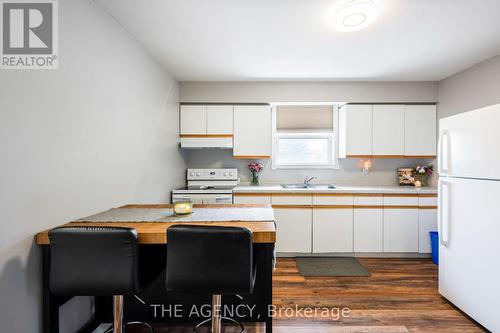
(400, 296)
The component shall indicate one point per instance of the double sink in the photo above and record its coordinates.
(309, 186)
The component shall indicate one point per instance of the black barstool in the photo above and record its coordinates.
(210, 260)
(97, 261)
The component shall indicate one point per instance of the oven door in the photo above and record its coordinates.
(217, 199)
(196, 199)
(204, 198)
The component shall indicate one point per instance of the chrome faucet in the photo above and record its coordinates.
(308, 179)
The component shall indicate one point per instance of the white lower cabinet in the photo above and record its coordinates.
(293, 229)
(363, 223)
(400, 230)
(368, 229)
(332, 230)
(427, 221)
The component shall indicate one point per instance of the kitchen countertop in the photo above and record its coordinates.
(201, 213)
(340, 189)
(152, 221)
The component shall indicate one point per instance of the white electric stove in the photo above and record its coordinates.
(208, 186)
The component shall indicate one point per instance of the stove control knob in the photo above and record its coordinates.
(225, 174)
(231, 173)
(191, 173)
(198, 174)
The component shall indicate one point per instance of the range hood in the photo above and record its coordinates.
(208, 142)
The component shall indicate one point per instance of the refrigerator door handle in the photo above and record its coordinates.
(443, 154)
(443, 212)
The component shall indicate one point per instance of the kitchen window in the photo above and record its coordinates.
(305, 136)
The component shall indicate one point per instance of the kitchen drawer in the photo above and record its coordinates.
(368, 200)
(427, 201)
(291, 199)
(400, 201)
(252, 199)
(332, 199)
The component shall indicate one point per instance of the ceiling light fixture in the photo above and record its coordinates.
(353, 15)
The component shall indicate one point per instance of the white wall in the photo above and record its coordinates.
(470, 89)
(99, 132)
(259, 92)
(384, 170)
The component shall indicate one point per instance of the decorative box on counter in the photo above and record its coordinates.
(405, 177)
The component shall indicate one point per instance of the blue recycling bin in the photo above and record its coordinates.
(435, 246)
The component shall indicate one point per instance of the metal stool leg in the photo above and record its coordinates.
(195, 330)
(118, 314)
(118, 325)
(130, 323)
(242, 328)
(216, 313)
(151, 329)
(217, 317)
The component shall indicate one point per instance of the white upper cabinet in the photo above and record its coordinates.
(220, 119)
(193, 119)
(388, 130)
(252, 131)
(206, 119)
(355, 130)
(420, 130)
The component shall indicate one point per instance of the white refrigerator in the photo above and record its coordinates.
(469, 213)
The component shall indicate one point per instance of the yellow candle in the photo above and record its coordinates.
(183, 207)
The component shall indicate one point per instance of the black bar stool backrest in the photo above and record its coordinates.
(210, 260)
(94, 261)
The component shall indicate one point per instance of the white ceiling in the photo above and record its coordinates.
(240, 40)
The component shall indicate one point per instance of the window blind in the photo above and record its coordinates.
(304, 117)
